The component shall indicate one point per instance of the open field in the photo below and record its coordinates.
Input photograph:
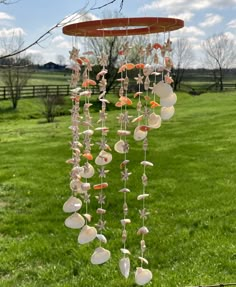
(192, 199)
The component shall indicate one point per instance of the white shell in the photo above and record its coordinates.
(88, 172)
(103, 129)
(146, 163)
(124, 265)
(100, 256)
(125, 251)
(119, 146)
(143, 260)
(76, 90)
(143, 230)
(139, 135)
(101, 211)
(123, 133)
(87, 216)
(87, 234)
(75, 185)
(101, 238)
(154, 121)
(167, 113)
(103, 158)
(72, 204)
(169, 101)
(124, 190)
(163, 90)
(142, 276)
(125, 221)
(142, 196)
(85, 186)
(88, 132)
(75, 221)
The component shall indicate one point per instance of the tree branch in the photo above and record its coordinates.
(111, 2)
(42, 37)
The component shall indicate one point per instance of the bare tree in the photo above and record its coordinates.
(16, 70)
(7, 2)
(220, 55)
(52, 103)
(109, 46)
(61, 60)
(182, 57)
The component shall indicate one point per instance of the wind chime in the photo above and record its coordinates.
(154, 92)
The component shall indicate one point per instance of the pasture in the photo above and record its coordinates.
(192, 190)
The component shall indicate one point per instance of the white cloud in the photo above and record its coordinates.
(58, 39)
(231, 36)
(64, 45)
(5, 33)
(232, 24)
(5, 16)
(189, 31)
(211, 20)
(186, 16)
(60, 42)
(178, 6)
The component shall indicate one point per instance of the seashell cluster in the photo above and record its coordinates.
(122, 147)
(81, 145)
(155, 100)
(104, 157)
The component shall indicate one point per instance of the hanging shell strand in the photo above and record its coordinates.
(122, 147)
(101, 255)
(155, 103)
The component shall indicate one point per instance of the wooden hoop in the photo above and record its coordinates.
(107, 27)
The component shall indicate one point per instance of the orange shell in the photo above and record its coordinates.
(85, 60)
(137, 94)
(88, 82)
(119, 104)
(144, 128)
(154, 104)
(122, 68)
(88, 156)
(157, 46)
(129, 66)
(100, 186)
(140, 66)
(79, 61)
(126, 100)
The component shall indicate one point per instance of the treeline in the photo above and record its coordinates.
(207, 75)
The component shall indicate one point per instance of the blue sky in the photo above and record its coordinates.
(31, 19)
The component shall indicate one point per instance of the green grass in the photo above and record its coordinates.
(192, 199)
(47, 78)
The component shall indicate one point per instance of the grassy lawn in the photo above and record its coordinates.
(192, 199)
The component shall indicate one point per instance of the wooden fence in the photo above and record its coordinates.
(36, 91)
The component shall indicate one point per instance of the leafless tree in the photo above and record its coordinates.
(110, 47)
(52, 103)
(75, 15)
(7, 2)
(220, 55)
(182, 58)
(61, 60)
(15, 70)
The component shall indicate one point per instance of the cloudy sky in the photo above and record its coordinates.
(31, 19)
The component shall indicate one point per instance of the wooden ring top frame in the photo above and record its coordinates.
(123, 27)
